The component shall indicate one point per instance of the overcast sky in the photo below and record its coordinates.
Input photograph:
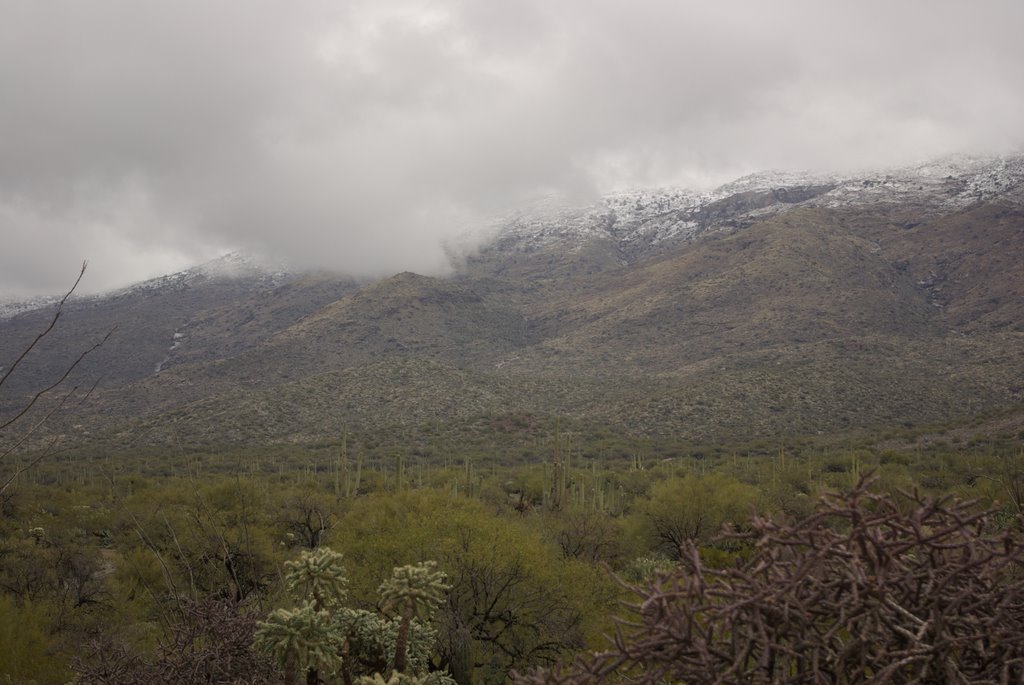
(146, 136)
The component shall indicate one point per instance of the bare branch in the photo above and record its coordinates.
(24, 438)
(46, 331)
(27, 407)
(67, 372)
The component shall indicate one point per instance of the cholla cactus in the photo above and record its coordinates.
(412, 591)
(399, 678)
(396, 678)
(323, 637)
(420, 587)
(319, 575)
(371, 640)
(299, 639)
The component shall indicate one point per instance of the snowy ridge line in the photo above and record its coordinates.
(12, 308)
(643, 219)
(231, 266)
(638, 221)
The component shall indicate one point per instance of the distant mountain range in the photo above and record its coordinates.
(777, 304)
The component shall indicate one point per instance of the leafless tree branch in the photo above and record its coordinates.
(67, 372)
(22, 439)
(46, 331)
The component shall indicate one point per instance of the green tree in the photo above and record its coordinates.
(591, 536)
(691, 509)
(514, 601)
(26, 647)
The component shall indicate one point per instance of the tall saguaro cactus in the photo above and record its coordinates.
(412, 592)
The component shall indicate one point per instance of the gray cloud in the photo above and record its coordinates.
(357, 136)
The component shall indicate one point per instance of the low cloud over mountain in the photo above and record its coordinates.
(360, 136)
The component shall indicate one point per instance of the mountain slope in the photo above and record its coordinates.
(201, 315)
(792, 279)
(777, 304)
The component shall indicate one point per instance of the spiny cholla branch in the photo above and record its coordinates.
(867, 589)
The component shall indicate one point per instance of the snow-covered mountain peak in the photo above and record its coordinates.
(233, 266)
(936, 186)
(624, 217)
(641, 220)
(772, 179)
(14, 307)
(241, 264)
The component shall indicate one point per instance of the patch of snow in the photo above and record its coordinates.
(232, 266)
(13, 308)
(938, 186)
(177, 340)
(770, 180)
(627, 219)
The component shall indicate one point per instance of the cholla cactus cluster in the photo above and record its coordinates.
(300, 639)
(320, 575)
(412, 591)
(322, 637)
(398, 678)
(372, 640)
(421, 587)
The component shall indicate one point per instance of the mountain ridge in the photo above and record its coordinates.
(826, 305)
